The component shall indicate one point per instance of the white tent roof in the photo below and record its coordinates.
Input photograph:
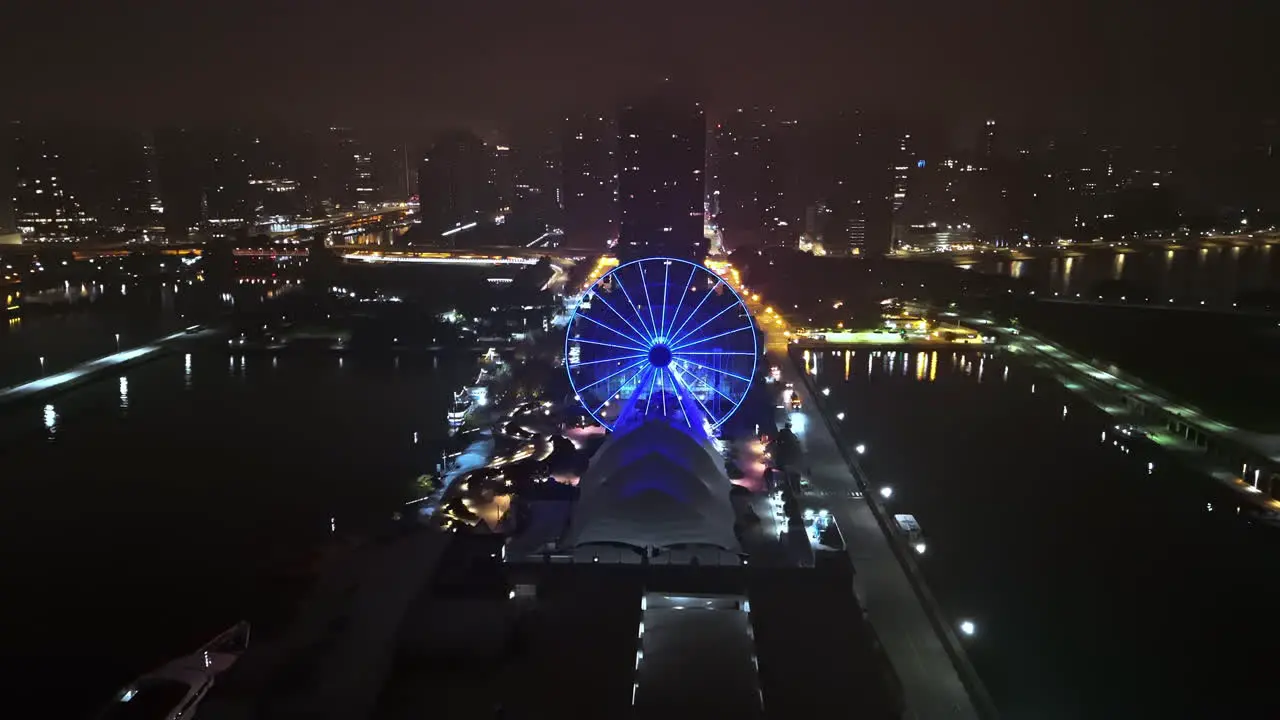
(654, 485)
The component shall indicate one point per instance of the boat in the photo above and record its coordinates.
(462, 403)
(175, 689)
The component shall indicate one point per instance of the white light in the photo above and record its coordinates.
(920, 548)
(859, 448)
(840, 416)
(826, 391)
(968, 628)
(886, 492)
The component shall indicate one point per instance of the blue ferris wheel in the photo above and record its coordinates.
(661, 337)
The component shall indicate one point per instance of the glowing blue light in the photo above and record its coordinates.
(640, 355)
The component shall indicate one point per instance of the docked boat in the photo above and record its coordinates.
(462, 403)
(175, 689)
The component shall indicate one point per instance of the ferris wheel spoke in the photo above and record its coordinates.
(679, 397)
(620, 358)
(716, 370)
(648, 302)
(613, 330)
(617, 277)
(641, 335)
(704, 324)
(618, 391)
(680, 303)
(697, 307)
(693, 395)
(711, 337)
(711, 387)
(615, 374)
(666, 278)
(609, 345)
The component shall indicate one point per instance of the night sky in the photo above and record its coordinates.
(499, 64)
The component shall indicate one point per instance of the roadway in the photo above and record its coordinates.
(932, 685)
(930, 681)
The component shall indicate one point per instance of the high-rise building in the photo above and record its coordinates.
(348, 170)
(502, 178)
(226, 193)
(758, 199)
(661, 182)
(204, 179)
(987, 145)
(46, 209)
(455, 181)
(590, 181)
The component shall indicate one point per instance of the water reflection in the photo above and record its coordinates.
(50, 420)
(1213, 274)
(1069, 509)
(1117, 267)
(186, 371)
(124, 393)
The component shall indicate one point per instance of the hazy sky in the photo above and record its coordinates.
(415, 66)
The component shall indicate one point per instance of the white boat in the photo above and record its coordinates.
(462, 403)
(175, 689)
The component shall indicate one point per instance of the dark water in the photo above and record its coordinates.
(142, 513)
(1213, 273)
(72, 324)
(1099, 590)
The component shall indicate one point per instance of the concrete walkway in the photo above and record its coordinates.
(931, 683)
(87, 371)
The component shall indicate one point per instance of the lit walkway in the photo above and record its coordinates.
(929, 679)
(1264, 443)
(86, 371)
(1106, 390)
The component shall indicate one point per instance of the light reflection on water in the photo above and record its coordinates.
(1053, 539)
(243, 475)
(1208, 272)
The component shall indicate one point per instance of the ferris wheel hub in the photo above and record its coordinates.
(660, 356)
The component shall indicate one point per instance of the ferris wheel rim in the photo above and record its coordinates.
(683, 342)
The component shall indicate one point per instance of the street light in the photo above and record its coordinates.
(886, 492)
(117, 342)
(840, 415)
(860, 449)
(968, 628)
(826, 391)
(920, 548)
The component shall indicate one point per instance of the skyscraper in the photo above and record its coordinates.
(455, 181)
(759, 203)
(45, 207)
(349, 170)
(590, 181)
(661, 183)
(502, 178)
